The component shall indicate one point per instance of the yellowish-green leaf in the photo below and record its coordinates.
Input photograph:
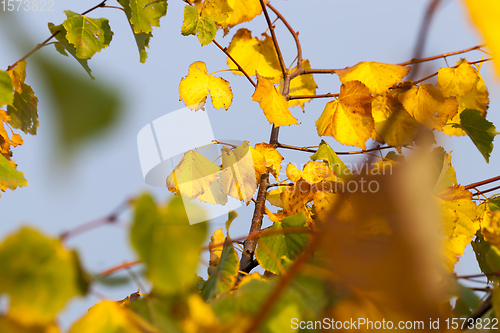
(109, 316)
(460, 224)
(195, 87)
(190, 21)
(11, 325)
(145, 17)
(164, 239)
(218, 10)
(142, 39)
(88, 35)
(238, 175)
(215, 247)
(6, 88)
(254, 55)
(302, 85)
(18, 75)
(349, 119)
(273, 104)
(445, 175)
(328, 155)
(9, 176)
(23, 111)
(193, 175)
(39, 274)
(378, 77)
(206, 29)
(428, 106)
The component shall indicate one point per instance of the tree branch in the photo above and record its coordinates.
(444, 55)
(223, 49)
(273, 35)
(309, 150)
(483, 182)
(312, 96)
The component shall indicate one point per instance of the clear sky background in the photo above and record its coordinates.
(333, 33)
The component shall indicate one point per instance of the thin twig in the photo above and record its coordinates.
(309, 150)
(483, 182)
(223, 49)
(486, 191)
(117, 268)
(436, 73)
(273, 35)
(444, 55)
(294, 34)
(312, 96)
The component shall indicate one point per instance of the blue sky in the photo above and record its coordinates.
(333, 33)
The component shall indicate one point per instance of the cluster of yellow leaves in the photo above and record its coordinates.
(228, 13)
(195, 176)
(374, 103)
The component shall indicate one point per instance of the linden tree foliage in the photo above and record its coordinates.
(378, 239)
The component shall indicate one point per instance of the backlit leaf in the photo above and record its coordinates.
(190, 21)
(481, 131)
(206, 29)
(238, 175)
(445, 175)
(88, 35)
(223, 276)
(18, 75)
(218, 10)
(273, 104)
(428, 106)
(39, 274)
(142, 39)
(6, 88)
(9, 176)
(485, 15)
(23, 110)
(378, 77)
(193, 175)
(195, 87)
(215, 247)
(272, 248)
(164, 239)
(64, 46)
(254, 55)
(108, 316)
(328, 155)
(271, 156)
(453, 82)
(302, 85)
(145, 17)
(243, 11)
(348, 119)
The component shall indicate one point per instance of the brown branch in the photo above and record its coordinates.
(422, 35)
(480, 311)
(317, 71)
(42, 44)
(486, 191)
(294, 34)
(309, 150)
(312, 96)
(223, 49)
(85, 227)
(483, 182)
(444, 55)
(273, 35)
(116, 268)
(478, 275)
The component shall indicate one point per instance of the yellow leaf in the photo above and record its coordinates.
(295, 199)
(218, 10)
(377, 76)
(302, 85)
(490, 227)
(272, 157)
(195, 87)
(259, 162)
(485, 14)
(293, 173)
(18, 74)
(476, 99)
(275, 217)
(454, 82)
(428, 106)
(201, 316)
(274, 196)
(108, 316)
(315, 172)
(11, 325)
(243, 11)
(215, 247)
(272, 103)
(254, 55)
(193, 175)
(238, 175)
(16, 140)
(459, 213)
(348, 119)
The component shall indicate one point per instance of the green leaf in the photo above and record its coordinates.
(145, 17)
(494, 203)
(467, 301)
(327, 154)
(487, 255)
(481, 131)
(64, 46)
(83, 108)
(167, 243)
(6, 88)
(190, 21)
(206, 30)
(39, 274)
(9, 176)
(282, 244)
(223, 276)
(142, 39)
(89, 36)
(23, 111)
